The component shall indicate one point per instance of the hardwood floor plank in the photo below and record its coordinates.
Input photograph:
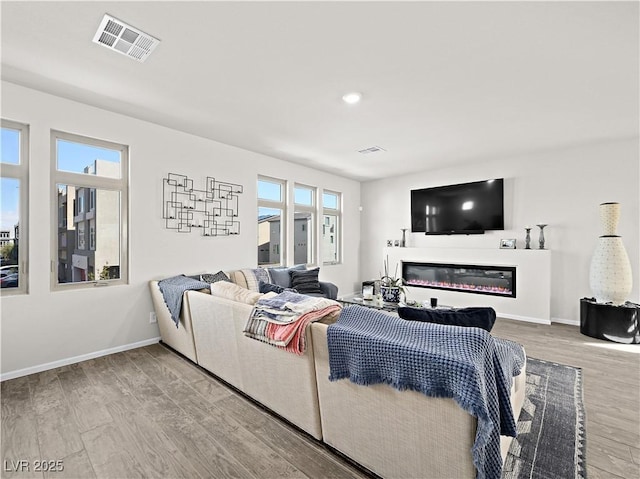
(600, 455)
(102, 375)
(594, 472)
(76, 466)
(150, 445)
(258, 458)
(635, 454)
(212, 389)
(109, 454)
(46, 391)
(19, 443)
(58, 434)
(205, 454)
(16, 397)
(307, 456)
(86, 403)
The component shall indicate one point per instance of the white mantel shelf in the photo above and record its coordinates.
(533, 279)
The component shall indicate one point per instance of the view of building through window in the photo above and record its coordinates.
(309, 244)
(89, 223)
(271, 207)
(303, 224)
(12, 205)
(331, 214)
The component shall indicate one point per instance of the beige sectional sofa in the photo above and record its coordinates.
(395, 434)
(268, 374)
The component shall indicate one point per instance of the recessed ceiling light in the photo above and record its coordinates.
(352, 98)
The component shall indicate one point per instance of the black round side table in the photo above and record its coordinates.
(613, 323)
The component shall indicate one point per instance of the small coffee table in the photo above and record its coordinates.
(369, 303)
(383, 305)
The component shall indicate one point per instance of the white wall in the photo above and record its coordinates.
(45, 327)
(561, 187)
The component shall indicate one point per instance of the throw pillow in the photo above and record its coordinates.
(306, 281)
(282, 277)
(252, 276)
(214, 278)
(469, 317)
(270, 287)
(234, 292)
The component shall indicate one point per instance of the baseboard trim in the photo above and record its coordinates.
(523, 318)
(76, 359)
(570, 322)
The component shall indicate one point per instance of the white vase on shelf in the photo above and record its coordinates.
(610, 272)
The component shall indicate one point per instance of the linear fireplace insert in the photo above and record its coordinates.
(468, 278)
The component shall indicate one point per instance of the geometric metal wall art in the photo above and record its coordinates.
(212, 210)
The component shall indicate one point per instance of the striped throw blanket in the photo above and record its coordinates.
(281, 320)
(467, 364)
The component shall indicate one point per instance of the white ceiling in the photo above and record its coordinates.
(442, 82)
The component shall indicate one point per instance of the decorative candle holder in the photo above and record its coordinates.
(527, 239)
(403, 243)
(541, 237)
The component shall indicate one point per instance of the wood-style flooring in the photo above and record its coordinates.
(150, 413)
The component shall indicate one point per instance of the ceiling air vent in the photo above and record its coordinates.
(373, 149)
(122, 38)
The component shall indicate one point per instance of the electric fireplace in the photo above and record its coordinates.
(467, 278)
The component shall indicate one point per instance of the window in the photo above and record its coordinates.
(92, 235)
(13, 207)
(331, 227)
(271, 227)
(90, 194)
(303, 224)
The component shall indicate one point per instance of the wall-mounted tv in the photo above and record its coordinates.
(467, 208)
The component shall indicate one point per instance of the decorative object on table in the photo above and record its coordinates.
(391, 286)
(527, 238)
(403, 241)
(396, 243)
(434, 302)
(509, 243)
(212, 210)
(389, 243)
(541, 237)
(374, 288)
(610, 272)
(367, 292)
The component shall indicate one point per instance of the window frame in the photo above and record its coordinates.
(338, 236)
(20, 172)
(281, 205)
(312, 209)
(84, 180)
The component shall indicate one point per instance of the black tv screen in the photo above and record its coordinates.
(467, 208)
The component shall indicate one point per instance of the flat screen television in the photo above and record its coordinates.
(467, 208)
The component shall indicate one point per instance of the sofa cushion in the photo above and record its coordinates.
(253, 276)
(270, 287)
(234, 292)
(282, 277)
(306, 281)
(215, 277)
(470, 317)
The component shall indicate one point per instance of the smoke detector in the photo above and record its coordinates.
(372, 149)
(125, 39)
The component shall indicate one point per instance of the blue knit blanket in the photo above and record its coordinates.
(369, 346)
(172, 290)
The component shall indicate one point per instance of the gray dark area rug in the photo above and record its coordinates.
(551, 442)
